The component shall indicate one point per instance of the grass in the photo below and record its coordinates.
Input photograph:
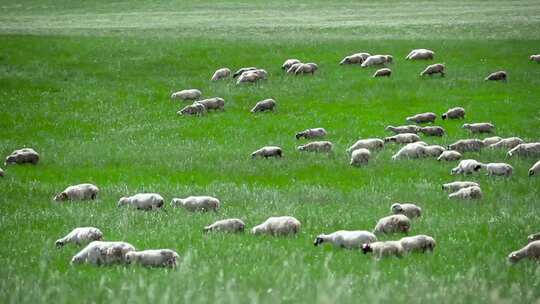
(87, 85)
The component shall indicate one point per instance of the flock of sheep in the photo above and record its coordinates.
(100, 252)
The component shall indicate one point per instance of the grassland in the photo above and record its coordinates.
(87, 84)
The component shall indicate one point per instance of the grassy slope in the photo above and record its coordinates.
(89, 90)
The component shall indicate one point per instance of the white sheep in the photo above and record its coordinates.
(231, 225)
(454, 113)
(215, 103)
(467, 166)
(311, 133)
(264, 105)
(316, 146)
(251, 76)
(467, 145)
(384, 249)
(357, 58)
(530, 149)
(488, 141)
(420, 54)
(189, 94)
(393, 223)
(193, 109)
(360, 157)
(412, 150)
(535, 58)
(437, 68)
(196, 203)
(410, 210)
(535, 169)
(103, 253)
(507, 143)
(306, 68)
(481, 127)
(403, 138)
(384, 72)
(404, 129)
(22, 156)
(376, 60)
(534, 237)
(455, 186)
(221, 74)
(496, 76)
(433, 150)
(78, 192)
(469, 193)
(531, 251)
(368, 143)
(143, 201)
(449, 155)
(346, 238)
(242, 70)
(153, 258)
(268, 151)
(498, 169)
(418, 243)
(288, 63)
(293, 68)
(80, 236)
(282, 225)
(422, 117)
(433, 131)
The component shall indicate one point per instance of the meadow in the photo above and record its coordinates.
(87, 84)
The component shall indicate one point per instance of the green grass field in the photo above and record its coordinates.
(87, 84)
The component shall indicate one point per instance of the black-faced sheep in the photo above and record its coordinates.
(153, 258)
(312, 133)
(196, 203)
(481, 127)
(346, 239)
(221, 74)
(316, 146)
(497, 76)
(276, 226)
(264, 105)
(469, 193)
(143, 201)
(467, 166)
(531, 251)
(360, 157)
(422, 117)
(385, 72)
(103, 253)
(23, 156)
(530, 149)
(78, 192)
(80, 236)
(454, 113)
(268, 151)
(231, 225)
(467, 145)
(437, 68)
(535, 169)
(384, 249)
(190, 94)
(410, 210)
(393, 223)
(420, 54)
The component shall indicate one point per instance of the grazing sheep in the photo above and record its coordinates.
(437, 68)
(469, 193)
(288, 63)
(221, 74)
(384, 72)
(264, 105)
(193, 109)
(531, 251)
(2, 173)
(507, 143)
(404, 129)
(535, 169)
(498, 169)
(384, 249)
(488, 141)
(403, 138)
(228, 225)
(433, 131)
(251, 76)
(153, 258)
(360, 157)
(78, 192)
(312, 133)
(357, 58)
(346, 239)
(190, 94)
(412, 150)
(530, 149)
(293, 68)
(196, 203)
(455, 186)
(393, 223)
(535, 58)
(496, 76)
(316, 146)
(433, 150)
(534, 237)
(410, 210)
(80, 235)
(422, 117)
(420, 54)
(418, 243)
(467, 166)
(454, 113)
(467, 145)
(282, 225)
(143, 201)
(449, 155)
(481, 127)
(103, 253)
(306, 68)
(242, 70)
(22, 156)
(215, 103)
(268, 151)
(369, 143)
(376, 60)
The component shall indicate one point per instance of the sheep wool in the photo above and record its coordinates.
(384, 249)
(530, 149)
(467, 145)
(507, 143)
(360, 157)
(357, 58)
(437, 68)
(418, 243)
(278, 226)
(196, 203)
(467, 166)
(412, 150)
(103, 253)
(449, 155)
(242, 70)
(481, 127)
(469, 193)
(422, 118)
(403, 138)
(306, 68)
(78, 192)
(193, 109)
(488, 141)
(404, 129)
(410, 210)
(369, 143)
(267, 151)
(221, 74)
(376, 60)
(498, 169)
(80, 236)
(312, 133)
(393, 223)
(288, 63)
(531, 251)
(153, 258)
(231, 225)
(346, 238)
(22, 156)
(420, 54)
(143, 201)
(316, 146)
(216, 103)
(189, 94)
(432, 131)
(454, 113)
(455, 186)
(264, 105)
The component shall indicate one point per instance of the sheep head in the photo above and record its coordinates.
(62, 196)
(366, 248)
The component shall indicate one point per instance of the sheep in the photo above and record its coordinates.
(346, 238)
(153, 258)
(384, 249)
(79, 236)
(498, 169)
(2, 173)
(533, 237)
(306, 68)
(535, 169)
(384, 72)
(312, 133)
(215, 103)
(535, 58)
(196, 203)
(488, 141)
(393, 223)
(368, 143)
(267, 151)
(412, 150)
(467, 166)
(242, 70)
(449, 155)
(481, 127)
(433, 131)
(221, 74)
(78, 192)
(410, 210)
(454, 113)
(22, 156)
(530, 149)
(376, 60)
(357, 58)
(193, 109)
(190, 94)
(531, 251)
(264, 105)
(288, 63)
(418, 243)
(437, 68)
(143, 201)
(252, 76)
(360, 157)
(420, 54)
(422, 117)
(455, 186)
(293, 68)
(403, 129)
(496, 76)
(403, 138)
(508, 143)
(231, 225)
(282, 225)
(433, 150)
(469, 193)
(316, 146)
(103, 253)
(467, 145)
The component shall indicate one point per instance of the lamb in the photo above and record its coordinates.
(312, 133)
(437, 68)
(496, 76)
(498, 169)
(535, 58)
(412, 150)
(231, 225)
(215, 103)
(433, 150)
(306, 68)
(467, 145)
(410, 210)
(393, 223)
(454, 113)
(264, 105)
(242, 70)
(455, 186)
(22, 156)
(143, 201)
(384, 72)
(403, 138)
(481, 127)
(153, 258)
(267, 151)
(488, 141)
(508, 143)
(469, 193)
(433, 131)
(418, 243)
(221, 74)
(316, 146)
(531, 251)
(190, 94)
(196, 203)
(404, 129)
(346, 238)
(360, 157)
(369, 143)
(384, 249)
(530, 149)
(79, 236)
(357, 58)
(422, 117)
(376, 60)
(276, 226)
(288, 63)
(467, 166)
(535, 169)
(193, 109)
(78, 192)
(103, 253)
(293, 68)
(533, 237)
(420, 54)
(449, 155)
